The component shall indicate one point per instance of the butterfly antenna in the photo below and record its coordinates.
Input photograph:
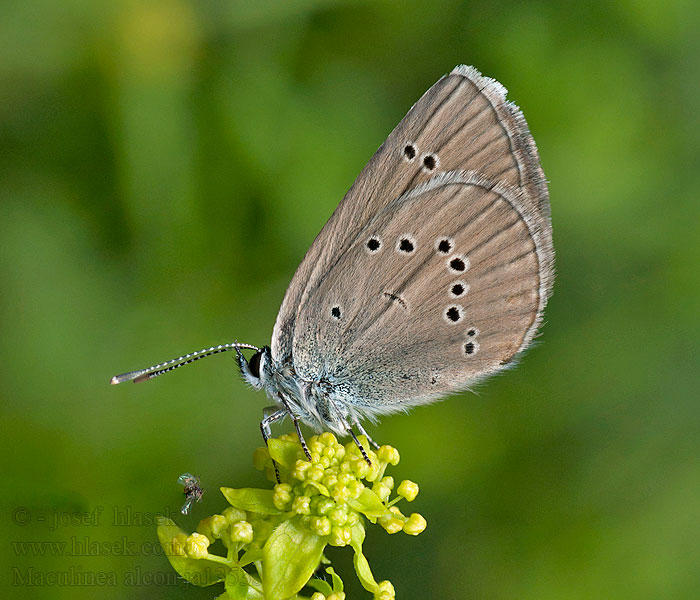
(180, 361)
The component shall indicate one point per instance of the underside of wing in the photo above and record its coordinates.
(445, 285)
(462, 123)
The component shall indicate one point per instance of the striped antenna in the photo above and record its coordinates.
(159, 369)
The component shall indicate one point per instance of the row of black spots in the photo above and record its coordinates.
(429, 161)
(406, 244)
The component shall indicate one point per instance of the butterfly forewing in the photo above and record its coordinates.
(454, 291)
(463, 122)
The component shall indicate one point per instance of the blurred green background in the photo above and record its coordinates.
(164, 165)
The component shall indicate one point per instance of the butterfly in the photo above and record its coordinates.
(432, 273)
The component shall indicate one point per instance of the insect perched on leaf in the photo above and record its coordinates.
(192, 490)
(432, 273)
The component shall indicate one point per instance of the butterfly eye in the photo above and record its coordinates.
(254, 365)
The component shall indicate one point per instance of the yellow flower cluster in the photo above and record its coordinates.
(274, 539)
(327, 490)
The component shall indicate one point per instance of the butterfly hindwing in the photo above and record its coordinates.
(443, 286)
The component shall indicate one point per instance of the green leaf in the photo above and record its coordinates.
(369, 504)
(198, 571)
(251, 500)
(364, 573)
(321, 586)
(358, 536)
(290, 557)
(337, 581)
(283, 452)
(236, 583)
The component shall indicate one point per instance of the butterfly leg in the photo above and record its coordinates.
(269, 418)
(359, 445)
(288, 410)
(302, 441)
(363, 432)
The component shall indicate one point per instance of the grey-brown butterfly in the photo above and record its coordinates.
(432, 273)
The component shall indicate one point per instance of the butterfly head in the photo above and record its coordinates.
(254, 370)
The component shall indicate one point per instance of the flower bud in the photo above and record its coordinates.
(391, 523)
(301, 505)
(196, 545)
(408, 489)
(375, 470)
(386, 590)
(340, 493)
(330, 478)
(242, 531)
(340, 536)
(315, 473)
(282, 496)
(338, 516)
(381, 490)
(355, 488)
(213, 527)
(324, 505)
(327, 439)
(415, 524)
(360, 468)
(345, 478)
(320, 525)
(300, 468)
(389, 454)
